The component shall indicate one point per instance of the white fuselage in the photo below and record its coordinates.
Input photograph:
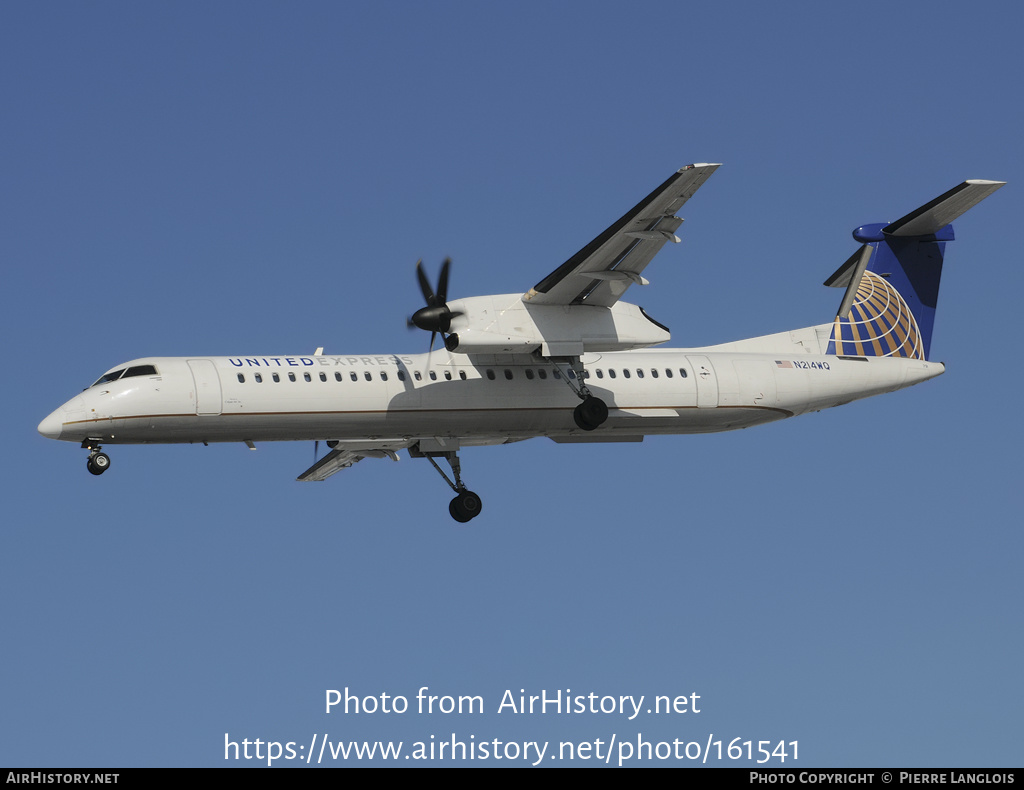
(475, 400)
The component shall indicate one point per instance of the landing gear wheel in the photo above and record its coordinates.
(465, 507)
(591, 413)
(98, 463)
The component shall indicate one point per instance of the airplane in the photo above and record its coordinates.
(514, 365)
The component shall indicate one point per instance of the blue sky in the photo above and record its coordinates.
(240, 178)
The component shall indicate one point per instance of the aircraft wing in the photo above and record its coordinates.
(602, 271)
(345, 454)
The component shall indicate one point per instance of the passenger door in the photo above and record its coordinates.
(208, 394)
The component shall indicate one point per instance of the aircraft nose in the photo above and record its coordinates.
(52, 426)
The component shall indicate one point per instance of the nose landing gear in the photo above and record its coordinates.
(98, 462)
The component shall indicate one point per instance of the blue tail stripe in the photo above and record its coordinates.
(914, 268)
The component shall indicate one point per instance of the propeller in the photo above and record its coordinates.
(436, 316)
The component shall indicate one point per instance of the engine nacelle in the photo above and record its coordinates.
(505, 324)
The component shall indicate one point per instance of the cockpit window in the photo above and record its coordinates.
(137, 370)
(140, 370)
(112, 376)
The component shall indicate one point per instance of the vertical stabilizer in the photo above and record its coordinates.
(892, 281)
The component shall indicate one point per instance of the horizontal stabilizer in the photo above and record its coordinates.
(938, 213)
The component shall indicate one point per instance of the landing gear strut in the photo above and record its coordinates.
(466, 505)
(98, 462)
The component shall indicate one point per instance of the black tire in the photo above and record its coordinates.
(590, 414)
(98, 464)
(465, 507)
(595, 410)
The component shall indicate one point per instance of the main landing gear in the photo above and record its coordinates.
(466, 505)
(592, 412)
(98, 462)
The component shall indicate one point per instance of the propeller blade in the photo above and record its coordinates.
(428, 292)
(442, 282)
(436, 317)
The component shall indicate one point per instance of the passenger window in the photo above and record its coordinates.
(418, 376)
(241, 378)
(542, 373)
(277, 377)
(508, 374)
(383, 376)
(307, 377)
(353, 376)
(556, 373)
(448, 375)
(490, 374)
(668, 372)
(600, 373)
(625, 373)
(401, 375)
(529, 373)
(337, 375)
(639, 373)
(682, 372)
(259, 378)
(654, 372)
(323, 376)
(611, 373)
(462, 375)
(572, 373)
(433, 375)
(291, 377)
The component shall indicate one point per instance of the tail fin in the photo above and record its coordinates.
(892, 281)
